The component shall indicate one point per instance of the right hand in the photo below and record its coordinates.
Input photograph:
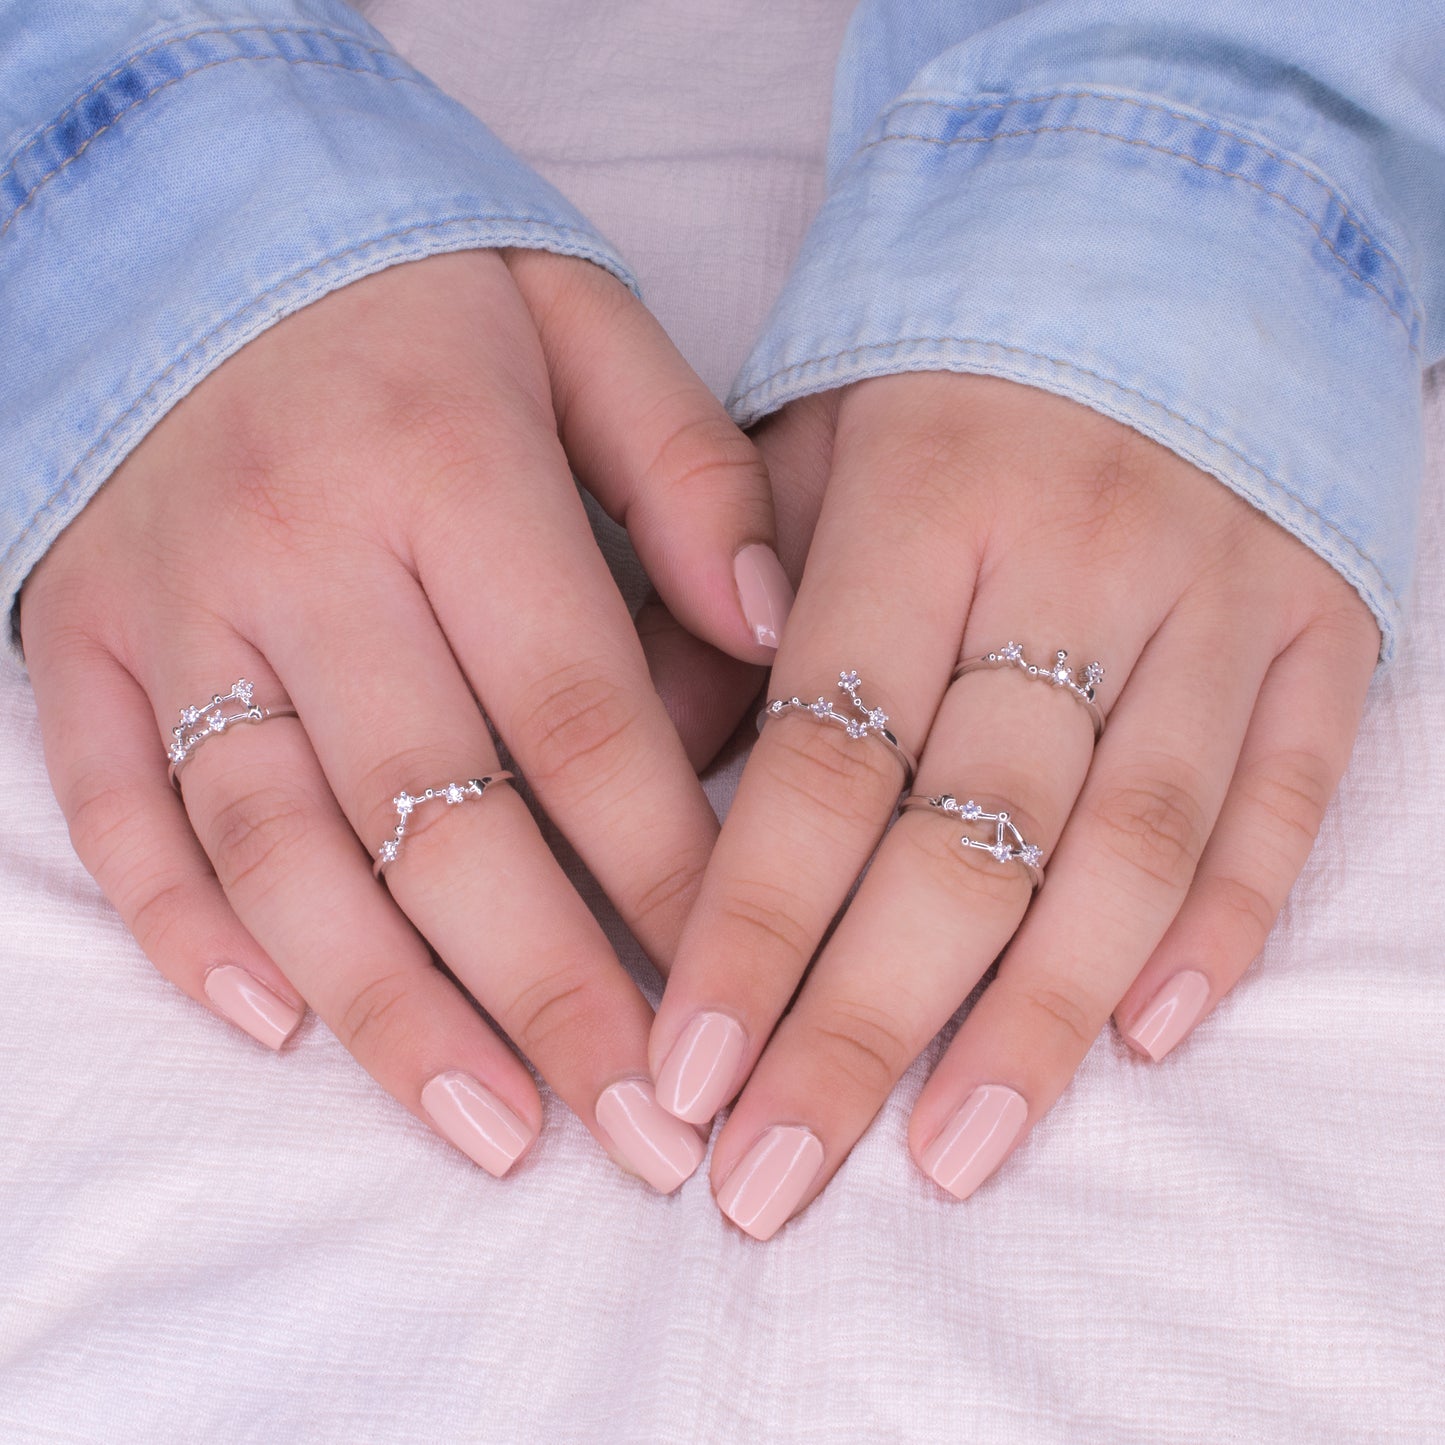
(368, 509)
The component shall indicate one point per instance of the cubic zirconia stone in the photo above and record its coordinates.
(1062, 672)
(855, 729)
(389, 850)
(1012, 652)
(847, 680)
(877, 718)
(244, 690)
(971, 810)
(403, 803)
(454, 793)
(1002, 852)
(820, 708)
(216, 722)
(1032, 855)
(190, 716)
(1094, 674)
(178, 753)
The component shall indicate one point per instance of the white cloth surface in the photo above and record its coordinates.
(202, 1242)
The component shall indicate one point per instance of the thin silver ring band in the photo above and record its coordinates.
(204, 721)
(1008, 845)
(407, 803)
(871, 722)
(1060, 674)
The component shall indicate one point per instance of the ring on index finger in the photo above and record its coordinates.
(869, 722)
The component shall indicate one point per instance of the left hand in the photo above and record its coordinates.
(962, 512)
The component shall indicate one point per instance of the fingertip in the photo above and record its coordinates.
(764, 593)
(1169, 1016)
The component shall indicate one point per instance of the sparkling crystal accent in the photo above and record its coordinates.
(190, 716)
(1011, 652)
(454, 793)
(1031, 855)
(971, 810)
(848, 681)
(388, 850)
(216, 722)
(178, 752)
(244, 691)
(855, 728)
(403, 803)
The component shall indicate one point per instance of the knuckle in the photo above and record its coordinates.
(165, 907)
(865, 1045)
(1293, 789)
(574, 725)
(371, 1019)
(99, 815)
(1244, 903)
(1154, 825)
(1064, 1012)
(822, 769)
(670, 897)
(704, 454)
(552, 1009)
(764, 914)
(253, 833)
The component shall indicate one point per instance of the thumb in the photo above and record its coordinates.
(660, 454)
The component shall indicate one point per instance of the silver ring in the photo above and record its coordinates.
(208, 720)
(873, 721)
(1008, 844)
(407, 803)
(1060, 675)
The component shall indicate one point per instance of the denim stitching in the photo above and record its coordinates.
(176, 79)
(588, 250)
(795, 372)
(60, 119)
(1178, 155)
(1201, 122)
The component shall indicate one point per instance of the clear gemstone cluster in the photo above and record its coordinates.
(1007, 845)
(1060, 673)
(407, 803)
(873, 719)
(198, 723)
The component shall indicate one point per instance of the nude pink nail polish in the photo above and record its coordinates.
(1170, 1014)
(473, 1118)
(250, 1005)
(696, 1078)
(974, 1141)
(765, 1185)
(662, 1149)
(764, 591)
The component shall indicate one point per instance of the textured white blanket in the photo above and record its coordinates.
(200, 1242)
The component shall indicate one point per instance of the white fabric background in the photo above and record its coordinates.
(201, 1242)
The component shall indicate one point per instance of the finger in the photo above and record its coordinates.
(656, 448)
(1298, 744)
(505, 555)
(1115, 882)
(813, 801)
(108, 766)
(294, 873)
(387, 711)
(926, 921)
(706, 692)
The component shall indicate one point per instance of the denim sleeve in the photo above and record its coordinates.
(177, 176)
(1221, 223)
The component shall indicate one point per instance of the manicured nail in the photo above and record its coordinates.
(765, 592)
(250, 1005)
(697, 1076)
(1171, 1013)
(476, 1121)
(765, 1185)
(972, 1144)
(662, 1149)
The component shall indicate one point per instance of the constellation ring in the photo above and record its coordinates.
(1007, 844)
(210, 719)
(407, 803)
(1083, 687)
(870, 722)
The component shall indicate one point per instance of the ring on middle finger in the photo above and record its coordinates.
(869, 722)
(406, 804)
(1008, 845)
(1081, 686)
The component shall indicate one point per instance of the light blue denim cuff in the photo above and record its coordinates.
(1214, 293)
(188, 195)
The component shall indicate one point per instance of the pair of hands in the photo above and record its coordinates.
(370, 510)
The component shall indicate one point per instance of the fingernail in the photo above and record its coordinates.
(697, 1076)
(1171, 1013)
(250, 1005)
(765, 592)
(476, 1121)
(662, 1149)
(973, 1143)
(765, 1185)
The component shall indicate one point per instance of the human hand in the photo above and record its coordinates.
(368, 509)
(962, 512)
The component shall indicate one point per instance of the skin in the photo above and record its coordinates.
(955, 513)
(370, 509)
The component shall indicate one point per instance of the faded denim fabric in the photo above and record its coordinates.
(1222, 223)
(177, 176)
